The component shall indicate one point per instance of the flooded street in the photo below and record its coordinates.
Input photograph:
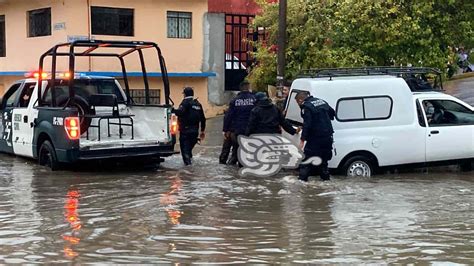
(206, 213)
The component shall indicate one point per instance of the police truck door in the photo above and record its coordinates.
(22, 120)
(8, 104)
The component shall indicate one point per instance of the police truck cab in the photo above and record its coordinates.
(64, 117)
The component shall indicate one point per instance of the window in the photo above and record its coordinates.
(2, 37)
(179, 25)
(11, 95)
(26, 94)
(293, 112)
(112, 21)
(364, 108)
(350, 110)
(377, 107)
(83, 88)
(447, 113)
(419, 112)
(138, 96)
(39, 22)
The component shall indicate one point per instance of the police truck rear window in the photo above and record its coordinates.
(84, 88)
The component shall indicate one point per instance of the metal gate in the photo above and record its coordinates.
(238, 59)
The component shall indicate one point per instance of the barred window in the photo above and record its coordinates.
(2, 36)
(179, 25)
(112, 21)
(39, 22)
(138, 96)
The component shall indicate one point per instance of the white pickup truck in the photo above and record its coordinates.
(389, 117)
(73, 117)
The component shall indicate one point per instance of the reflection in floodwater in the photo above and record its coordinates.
(72, 238)
(210, 215)
(169, 200)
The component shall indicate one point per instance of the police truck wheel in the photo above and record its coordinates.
(47, 156)
(359, 166)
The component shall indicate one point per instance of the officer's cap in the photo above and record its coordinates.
(188, 91)
(260, 96)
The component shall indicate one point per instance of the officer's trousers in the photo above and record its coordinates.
(322, 148)
(235, 147)
(187, 141)
(226, 147)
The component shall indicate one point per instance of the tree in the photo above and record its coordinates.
(345, 33)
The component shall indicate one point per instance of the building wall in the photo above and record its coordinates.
(176, 88)
(214, 57)
(183, 56)
(240, 7)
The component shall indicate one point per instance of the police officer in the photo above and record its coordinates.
(190, 116)
(266, 118)
(317, 133)
(237, 118)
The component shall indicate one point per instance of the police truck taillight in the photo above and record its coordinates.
(71, 125)
(173, 124)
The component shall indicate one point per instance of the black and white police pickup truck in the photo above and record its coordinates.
(73, 117)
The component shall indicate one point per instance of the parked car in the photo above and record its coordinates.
(72, 117)
(382, 121)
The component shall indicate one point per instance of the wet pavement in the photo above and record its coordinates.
(462, 89)
(206, 213)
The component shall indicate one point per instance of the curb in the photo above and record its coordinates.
(462, 76)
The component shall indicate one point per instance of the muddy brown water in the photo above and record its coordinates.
(208, 214)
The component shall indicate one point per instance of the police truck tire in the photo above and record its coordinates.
(47, 156)
(359, 166)
(83, 109)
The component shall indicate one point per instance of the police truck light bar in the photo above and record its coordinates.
(45, 75)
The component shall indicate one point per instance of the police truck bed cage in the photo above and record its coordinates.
(408, 73)
(94, 49)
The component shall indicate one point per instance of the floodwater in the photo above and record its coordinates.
(208, 214)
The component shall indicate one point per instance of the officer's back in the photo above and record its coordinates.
(266, 118)
(321, 115)
(239, 110)
(191, 117)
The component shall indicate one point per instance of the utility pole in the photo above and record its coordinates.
(281, 44)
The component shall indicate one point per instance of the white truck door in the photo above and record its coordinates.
(22, 120)
(450, 131)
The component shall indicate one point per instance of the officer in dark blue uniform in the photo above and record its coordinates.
(266, 118)
(237, 117)
(317, 133)
(190, 117)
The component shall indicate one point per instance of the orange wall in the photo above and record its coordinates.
(182, 55)
(150, 24)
